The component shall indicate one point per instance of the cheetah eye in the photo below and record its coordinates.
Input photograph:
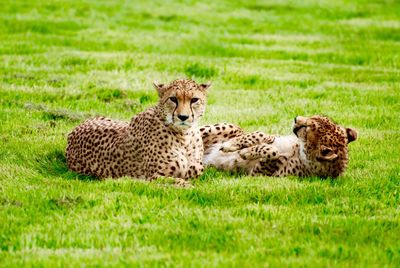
(194, 100)
(174, 100)
(325, 152)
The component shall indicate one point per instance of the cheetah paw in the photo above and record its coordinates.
(269, 140)
(181, 183)
(247, 154)
(228, 147)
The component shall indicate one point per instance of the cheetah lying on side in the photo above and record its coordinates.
(318, 148)
(161, 141)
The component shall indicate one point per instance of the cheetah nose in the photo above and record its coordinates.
(295, 119)
(183, 117)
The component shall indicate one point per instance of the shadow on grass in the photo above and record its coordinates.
(207, 191)
(54, 164)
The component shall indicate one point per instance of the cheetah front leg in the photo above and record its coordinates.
(178, 182)
(218, 133)
(264, 151)
(263, 159)
(246, 141)
(195, 170)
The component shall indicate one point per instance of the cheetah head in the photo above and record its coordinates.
(325, 144)
(182, 102)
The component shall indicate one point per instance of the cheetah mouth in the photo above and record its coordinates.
(183, 124)
(296, 129)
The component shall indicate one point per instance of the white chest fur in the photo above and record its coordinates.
(285, 144)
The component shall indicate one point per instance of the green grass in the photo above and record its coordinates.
(64, 61)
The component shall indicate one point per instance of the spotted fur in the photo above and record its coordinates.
(318, 148)
(161, 141)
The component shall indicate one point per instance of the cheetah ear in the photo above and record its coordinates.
(351, 135)
(204, 87)
(326, 154)
(160, 88)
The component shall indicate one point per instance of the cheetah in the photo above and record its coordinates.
(161, 141)
(319, 147)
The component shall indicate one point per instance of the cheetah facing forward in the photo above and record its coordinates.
(319, 148)
(161, 141)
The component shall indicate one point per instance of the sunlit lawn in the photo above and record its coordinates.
(64, 61)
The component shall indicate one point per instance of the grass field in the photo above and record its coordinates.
(64, 61)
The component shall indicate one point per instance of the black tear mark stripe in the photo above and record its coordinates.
(173, 113)
(191, 109)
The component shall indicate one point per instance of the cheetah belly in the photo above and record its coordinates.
(226, 161)
(216, 158)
